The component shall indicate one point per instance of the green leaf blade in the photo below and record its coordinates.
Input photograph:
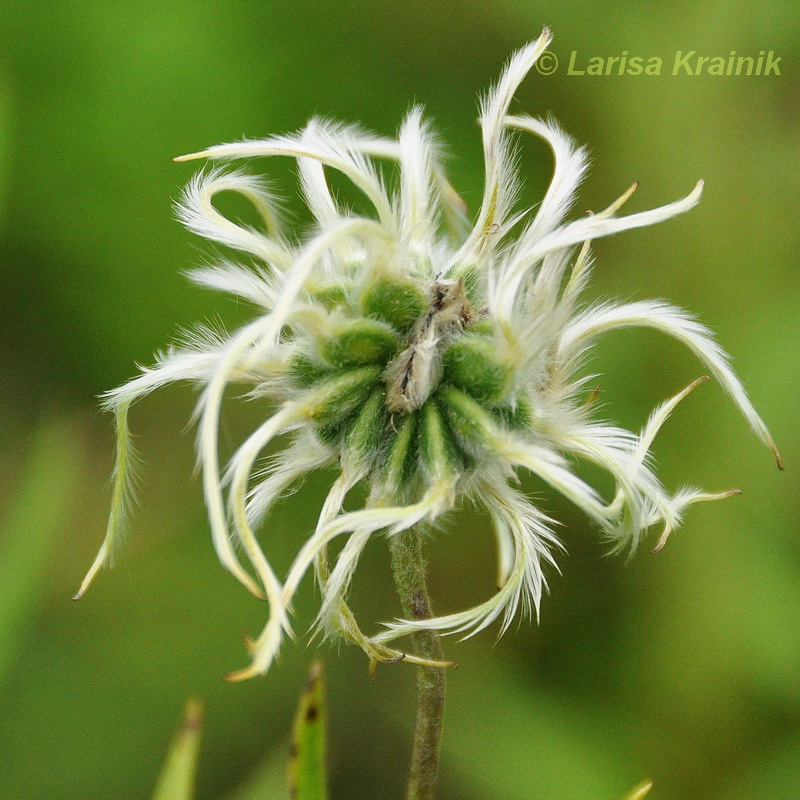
(179, 774)
(307, 768)
(640, 791)
(32, 528)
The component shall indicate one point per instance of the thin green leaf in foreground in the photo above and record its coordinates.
(177, 779)
(31, 528)
(5, 142)
(267, 781)
(307, 773)
(640, 791)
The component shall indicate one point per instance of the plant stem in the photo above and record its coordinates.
(408, 565)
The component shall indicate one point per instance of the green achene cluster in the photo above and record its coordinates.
(378, 337)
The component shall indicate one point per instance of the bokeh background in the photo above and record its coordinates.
(682, 667)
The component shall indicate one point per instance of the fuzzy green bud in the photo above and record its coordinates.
(471, 364)
(336, 398)
(400, 458)
(473, 426)
(362, 341)
(482, 326)
(398, 301)
(365, 436)
(520, 415)
(331, 296)
(437, 448)
(306, 372)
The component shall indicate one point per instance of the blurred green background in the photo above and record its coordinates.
(683, 667)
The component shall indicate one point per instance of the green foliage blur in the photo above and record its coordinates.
(681, 667)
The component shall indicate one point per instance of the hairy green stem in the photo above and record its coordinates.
(408, 565)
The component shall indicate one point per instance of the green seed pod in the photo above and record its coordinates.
(362, 341)
(482, 326)
(473, 426)
(305, 372)
(398, 301)
(332, 435)
(437, 448)
(471, 364)
(398, 469)
(331, 296)
(364, 438)
(519, 416)
(336, 398)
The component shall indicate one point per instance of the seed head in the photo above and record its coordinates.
(430, 357)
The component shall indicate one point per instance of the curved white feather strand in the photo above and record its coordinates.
(552, 469)
(285, 472)
(196, 210)
(177, 364)
(250, 284)
(594, 226)
(676, 323)
(395, 518)
(338, 150)
(123, 478)
(418, 199)
(500, 182)
(571, 163)
(533, 543)
(208, 409)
